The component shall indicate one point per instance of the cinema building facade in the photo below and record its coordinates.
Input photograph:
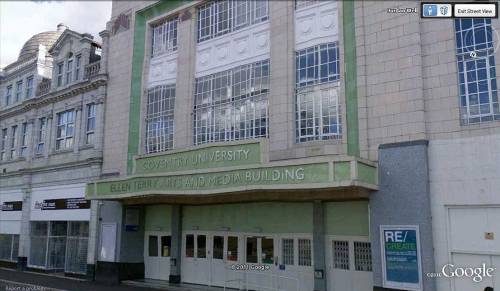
(279, 145)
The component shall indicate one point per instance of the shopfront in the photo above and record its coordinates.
(11, 206)
(59, 229)
(242, 221)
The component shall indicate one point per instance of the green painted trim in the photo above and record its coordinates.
(215, 156)
(367, 173)
(158, 218)
(265, 217)
(351, 91)
(141, 19)
(342, 171)
(348, 218)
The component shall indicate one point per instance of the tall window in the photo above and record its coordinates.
(233, 104)
(317, 86)
(13, 142)
(42, 132)
(65, 129)
(476, 71)
(220, 17)
(60, 68)
(24, 139)
(29, 87)
(19, 91)
(90, 124)
(78, 64)
(165, 37)
(8, 95)
(160, 119)
(69, 71)
(3, 144)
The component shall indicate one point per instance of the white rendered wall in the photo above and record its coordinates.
(58, 192)
(465, 198)
(10, 221)
(316, 24)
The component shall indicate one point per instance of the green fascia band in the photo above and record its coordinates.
(350, 73)
(141, 18)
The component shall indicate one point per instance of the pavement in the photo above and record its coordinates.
(13, 280)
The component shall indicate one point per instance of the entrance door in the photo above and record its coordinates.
(349, 265)
(157, 255)
(195, 263)
(295, 266)
(261, 256)
(469, 260)
(224, 255)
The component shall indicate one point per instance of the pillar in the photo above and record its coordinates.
(176, 240)
(184, 90)
(319, 246)
(24, 235)
(104, 51)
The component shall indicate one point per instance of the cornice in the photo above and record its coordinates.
(55, 96)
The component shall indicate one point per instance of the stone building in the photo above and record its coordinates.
(51, 123)
(299, 145)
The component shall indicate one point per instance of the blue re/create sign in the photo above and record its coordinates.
(401, 255)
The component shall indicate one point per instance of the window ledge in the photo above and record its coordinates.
(86, 147)
(59, 152)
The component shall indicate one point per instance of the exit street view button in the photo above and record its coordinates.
(482, 10)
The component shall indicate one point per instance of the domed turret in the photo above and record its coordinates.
(48, 38)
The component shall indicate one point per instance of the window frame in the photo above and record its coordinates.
(69, 71)
(63, 139)
(164, 36)
(90, 123)
(60, 74)
(477, 78)
(24, 139)
(160, 114)
(19, 90)
(41, 135)
(13, 142)
(78, 64)
(29, 86)
(8, 94)
(3, 146)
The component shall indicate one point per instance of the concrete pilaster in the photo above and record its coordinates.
(282, 79)
(24, 235)
(105, 50)
(184, 90)
(176, 240)
(319, 245)
(79, 118)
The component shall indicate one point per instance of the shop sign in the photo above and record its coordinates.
(63, 204)
(210, 157)
(12, 206)
(401, 258)
(303, 174)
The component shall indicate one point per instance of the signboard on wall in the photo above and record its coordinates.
(63, 204)
(401, 258)
(12, 206)
(132, 219)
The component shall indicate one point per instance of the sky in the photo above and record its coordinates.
(19, 20)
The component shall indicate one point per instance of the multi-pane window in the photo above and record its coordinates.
(69, 71)
(19, 91)
(165, 37)
(9, 246)
(362, 256)
(24, 139)
(29, 87)
(287, 251)
(65, 129)
(318, 112)
(305, 254)
(304, 3)
(340, 254)
(40, 138)
(90, 124)
(3, 144)
(8, 95)
(13, 142)
(233, 104)
(220, 17)
(160, 119)
(76, 247)
(476, 71)
(78, 64)
(60, 68)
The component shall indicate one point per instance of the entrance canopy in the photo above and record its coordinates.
(235, 172)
